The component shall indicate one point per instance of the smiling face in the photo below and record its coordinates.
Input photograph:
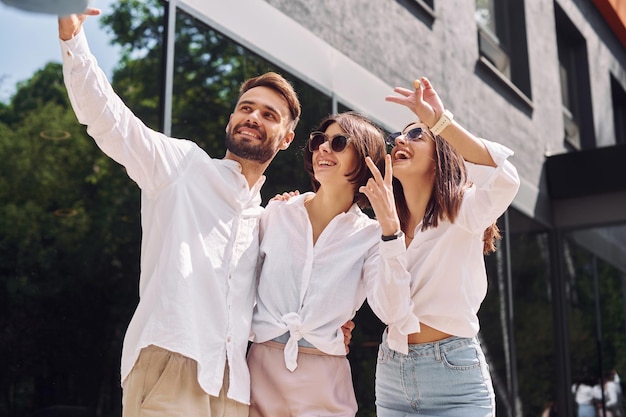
(366, 139)
(259, 126)
(334, 167)
(414, 158)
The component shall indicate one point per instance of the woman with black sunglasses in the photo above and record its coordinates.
(449, 188)
(319, 261)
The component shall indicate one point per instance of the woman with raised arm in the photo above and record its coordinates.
(449, 189)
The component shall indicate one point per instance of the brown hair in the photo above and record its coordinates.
(451, 181)
(367, 139)
(281, 86)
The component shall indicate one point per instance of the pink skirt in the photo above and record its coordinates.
(321, 385)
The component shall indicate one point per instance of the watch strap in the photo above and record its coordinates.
(442, 123)
(397, 235)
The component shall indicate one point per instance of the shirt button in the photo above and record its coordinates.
(228, 339)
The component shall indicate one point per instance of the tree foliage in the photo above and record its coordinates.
(69, 243)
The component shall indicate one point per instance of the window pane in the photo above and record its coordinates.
(575, 83)
(618, 95)
(516, 319)
(597, 304)
(485, 16)
(502, 43)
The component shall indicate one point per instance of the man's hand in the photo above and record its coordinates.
(69, 26)
(285, 196)
(347, 334)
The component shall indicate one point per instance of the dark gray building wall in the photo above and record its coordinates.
(388, 40)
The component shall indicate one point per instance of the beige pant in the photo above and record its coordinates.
(165, 384)
(320, 386)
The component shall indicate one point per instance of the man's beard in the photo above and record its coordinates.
(260, 153)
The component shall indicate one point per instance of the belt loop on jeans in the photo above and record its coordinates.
(437, 349)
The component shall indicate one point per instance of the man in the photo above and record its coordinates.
(184, 350)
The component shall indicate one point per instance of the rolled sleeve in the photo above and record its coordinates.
(151, 159)
(390, 298)
(493, 189)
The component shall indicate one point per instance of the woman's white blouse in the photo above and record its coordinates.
(586, 394)
(310, 290)
(446, 263)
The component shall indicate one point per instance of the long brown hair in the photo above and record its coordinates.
(451, 181)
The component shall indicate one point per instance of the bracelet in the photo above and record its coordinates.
(442, 123)
(397, 235)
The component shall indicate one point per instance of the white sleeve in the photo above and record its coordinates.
(388, 291)
(150, 158)
(492, 192)
(610, 393)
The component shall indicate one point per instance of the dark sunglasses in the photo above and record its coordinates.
(411, 135)
(338, 143)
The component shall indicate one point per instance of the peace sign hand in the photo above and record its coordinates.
(379, 191)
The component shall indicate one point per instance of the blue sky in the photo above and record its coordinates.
(28, 41)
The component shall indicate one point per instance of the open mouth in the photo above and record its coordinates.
(401, 155)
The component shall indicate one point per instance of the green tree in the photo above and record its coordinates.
(69, 241)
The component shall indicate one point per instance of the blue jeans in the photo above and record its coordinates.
(445, 378)
(587, 410)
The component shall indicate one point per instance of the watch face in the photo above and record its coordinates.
(55, 7)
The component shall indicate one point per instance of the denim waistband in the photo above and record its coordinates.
(435, 348)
